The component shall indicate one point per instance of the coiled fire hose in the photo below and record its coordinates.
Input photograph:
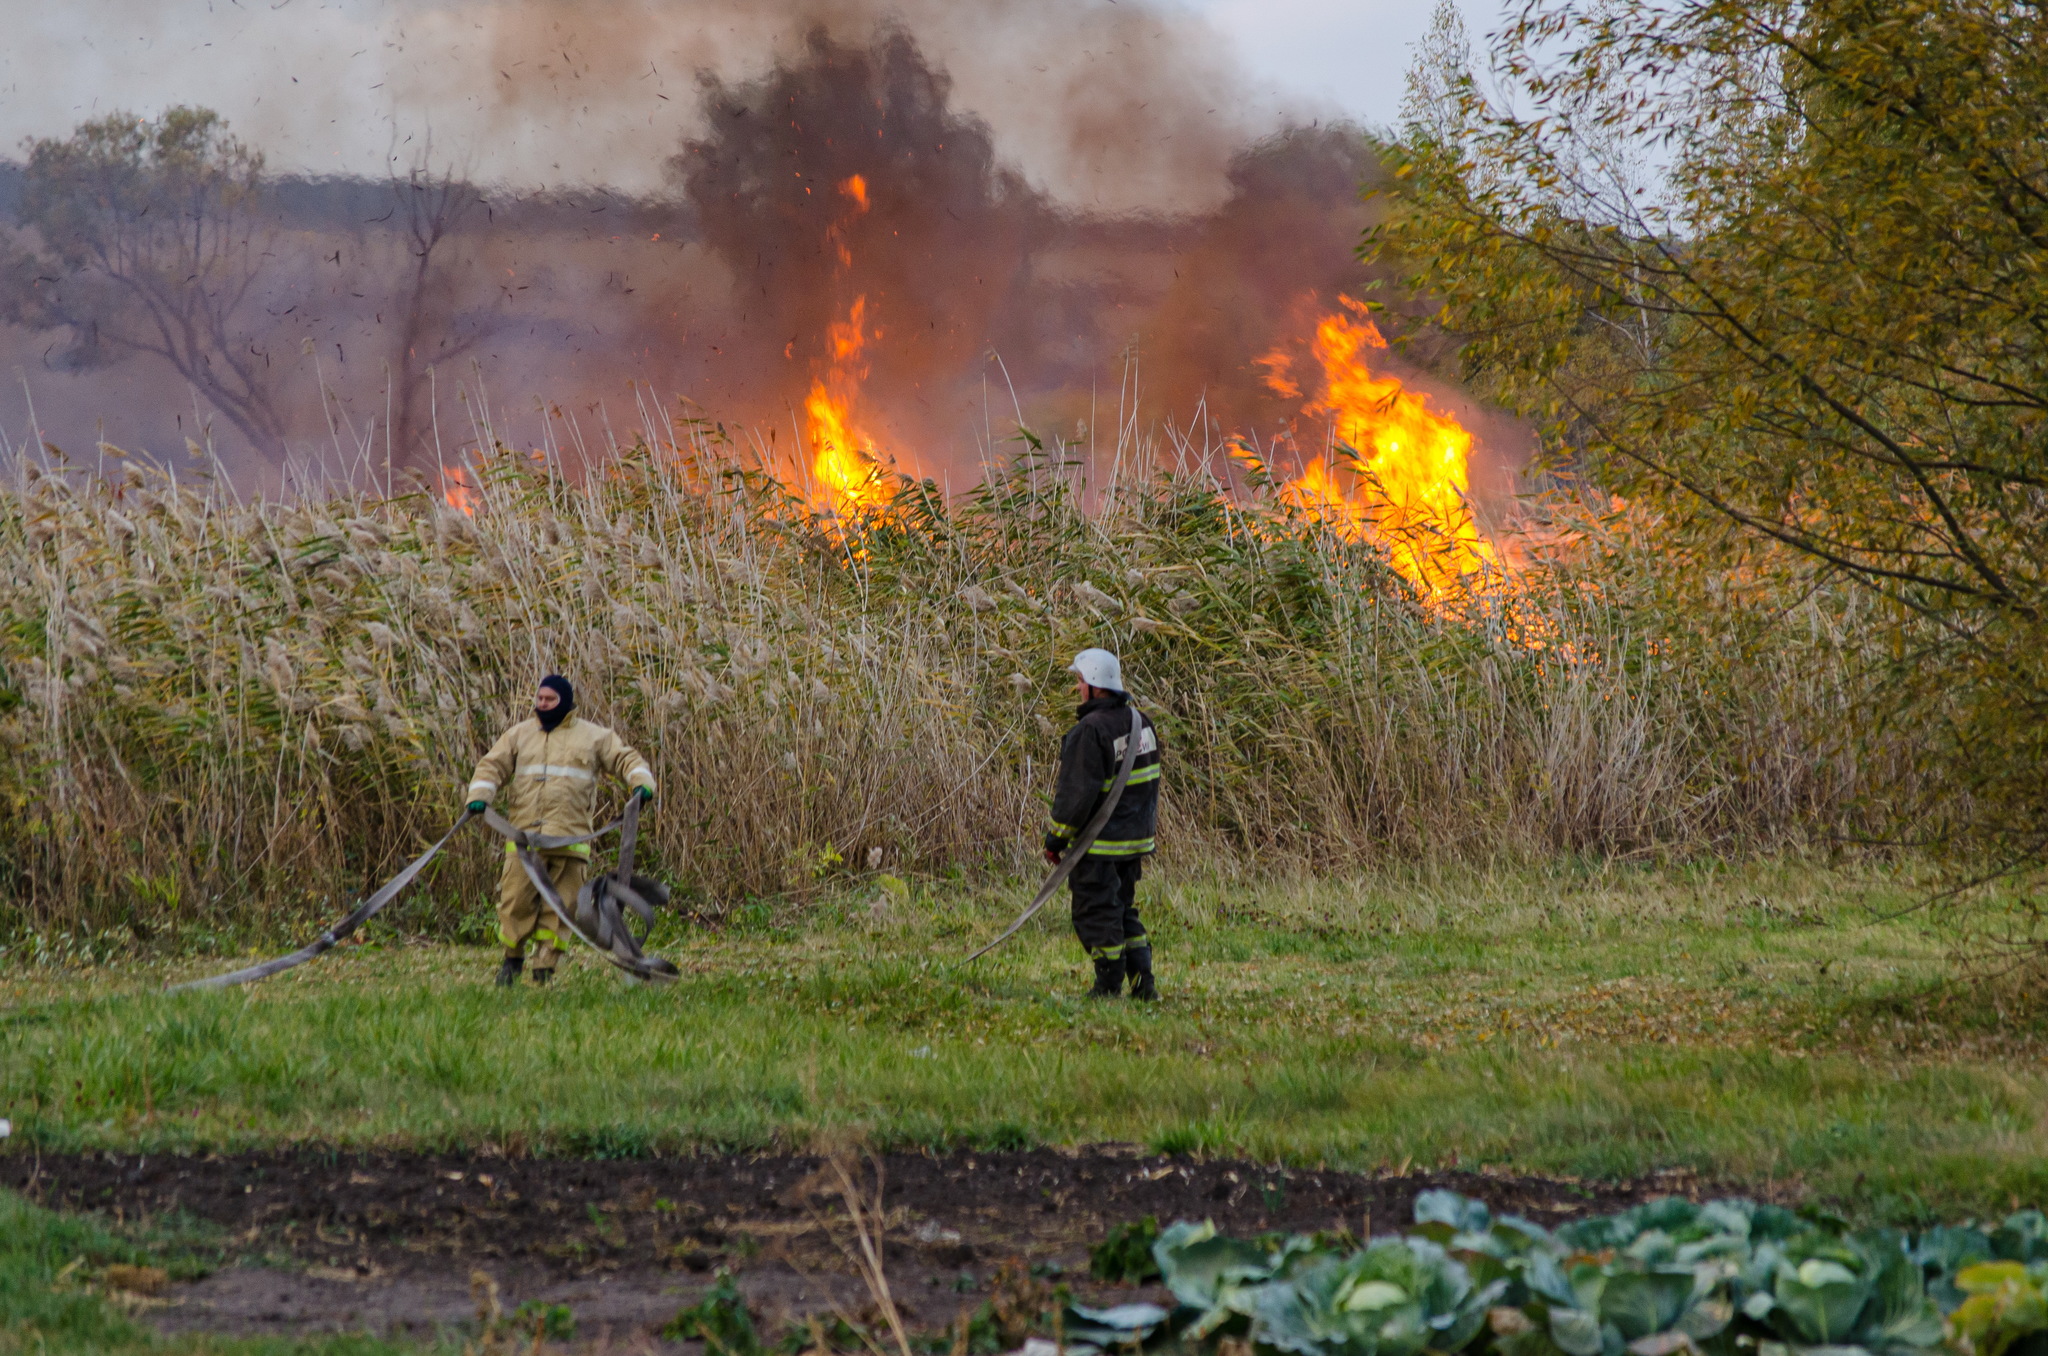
(1078, 849)
(596, 920)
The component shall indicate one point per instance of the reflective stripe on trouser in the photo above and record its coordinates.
(522, 918)
(576, 850)
(1105, 891)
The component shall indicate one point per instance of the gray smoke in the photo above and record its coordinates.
(1107, 106)
(651, 212)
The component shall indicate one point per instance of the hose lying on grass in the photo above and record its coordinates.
(598, 920)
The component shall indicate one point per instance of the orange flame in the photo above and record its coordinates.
(843, 461)
(843, 458)
(1277, 365)
(460, 492)
(845, 339)
(854, 186)
(1405, 481)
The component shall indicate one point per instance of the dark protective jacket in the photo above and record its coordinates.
(1089, 757)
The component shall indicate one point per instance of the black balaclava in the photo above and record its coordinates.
(550, 719)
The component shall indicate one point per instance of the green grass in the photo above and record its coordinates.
(1752, 1025)
(52, 1301)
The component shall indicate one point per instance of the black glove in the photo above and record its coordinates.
(1055, 844)
(477, 807)
(646, 794)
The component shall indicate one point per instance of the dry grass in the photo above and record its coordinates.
(222, 718)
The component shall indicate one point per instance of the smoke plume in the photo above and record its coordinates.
(1003, 206)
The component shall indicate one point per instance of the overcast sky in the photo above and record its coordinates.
(1351, 54)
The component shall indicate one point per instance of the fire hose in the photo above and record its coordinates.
(598, 918)
(1078, 849)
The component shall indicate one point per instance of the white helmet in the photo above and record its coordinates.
(1098, 668)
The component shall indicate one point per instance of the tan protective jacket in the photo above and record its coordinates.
(551, 776)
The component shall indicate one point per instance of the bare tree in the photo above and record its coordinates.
(430, 208)
(145, 241)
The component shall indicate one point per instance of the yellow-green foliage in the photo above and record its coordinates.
(1780, 272)
(224, 716)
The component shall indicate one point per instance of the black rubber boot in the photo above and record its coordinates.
(508, 973)
(1109, 978)
(1138, 965)
(543, 976)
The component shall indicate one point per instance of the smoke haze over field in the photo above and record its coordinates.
(706, 201)
(1109, 106)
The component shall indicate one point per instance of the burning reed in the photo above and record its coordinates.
(222, 719)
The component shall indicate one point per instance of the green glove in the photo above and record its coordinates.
(646, 794)
(477, 807)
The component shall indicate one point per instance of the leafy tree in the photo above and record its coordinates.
(1785, 266)
(1432, 106)
(148, 244)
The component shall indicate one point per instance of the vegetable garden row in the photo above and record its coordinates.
(1660, 1279)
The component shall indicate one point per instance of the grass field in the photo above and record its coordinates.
(1761, 1027)
(48, 1307)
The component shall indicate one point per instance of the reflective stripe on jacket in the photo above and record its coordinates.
(1089, 757)
(549, 777)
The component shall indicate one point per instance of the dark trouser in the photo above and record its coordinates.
(1106, 904)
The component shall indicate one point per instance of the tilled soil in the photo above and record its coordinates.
(394, 1242)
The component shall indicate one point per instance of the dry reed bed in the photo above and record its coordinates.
(222, 718)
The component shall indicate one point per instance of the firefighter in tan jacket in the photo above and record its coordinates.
(548, 765)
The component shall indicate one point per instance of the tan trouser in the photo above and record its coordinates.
(522, 917)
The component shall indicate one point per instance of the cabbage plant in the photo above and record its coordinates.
(1213, 1278)
(1649, 1299)
(1820, 1289)
(1666, 1278)
(1396, 1297)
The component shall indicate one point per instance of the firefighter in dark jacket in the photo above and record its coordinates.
(1105, 881)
